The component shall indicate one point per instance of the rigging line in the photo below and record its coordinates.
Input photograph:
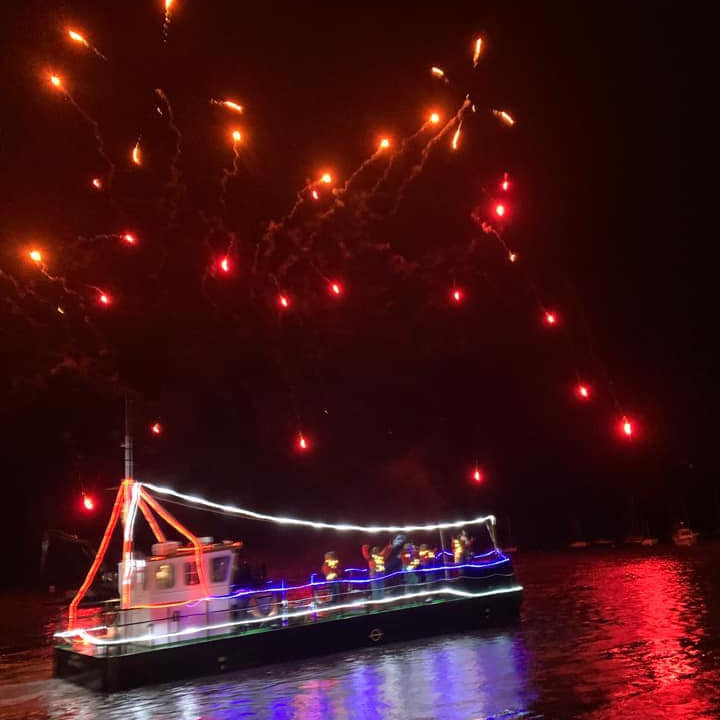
(319, 525)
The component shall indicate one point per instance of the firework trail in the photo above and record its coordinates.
(276, 226)
(339, 193)
(398, 153)
(456, 137)
(174, 171)
(229, 104)
(455, 121)
(80, 39)
(477, 51)
(56, 81)
(235, 168)
(167, 19)
(488, 229)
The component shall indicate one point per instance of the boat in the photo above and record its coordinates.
(641, 540)
(193, 607)
(684, 536)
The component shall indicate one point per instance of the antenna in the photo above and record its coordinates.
(128, 444)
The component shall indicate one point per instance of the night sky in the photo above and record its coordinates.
(399, 392)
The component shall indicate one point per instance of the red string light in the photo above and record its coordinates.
(457, 295)
(97, 183)
(283, 301)
(500, 210)
(301, 442)
(88, 502)
(335, 288)
(156, 428)
(104, 299)
(151, 521)
(477, 475)
(224, 264)
(112, 522)
(129, 238)
(505, 184)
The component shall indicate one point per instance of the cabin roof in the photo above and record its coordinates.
(186, 550)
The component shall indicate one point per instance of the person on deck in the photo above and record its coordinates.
(394, 565)
(411, 561)
(331, 571)
(376, 567)
(426, 555)
(461, 545)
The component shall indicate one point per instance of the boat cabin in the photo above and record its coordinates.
(163, 584)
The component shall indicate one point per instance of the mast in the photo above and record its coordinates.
(128, 444)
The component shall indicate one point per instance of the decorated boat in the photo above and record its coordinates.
(193, 607)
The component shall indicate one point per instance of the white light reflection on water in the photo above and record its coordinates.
(454, 677)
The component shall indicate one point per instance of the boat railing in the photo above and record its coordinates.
(111, 630)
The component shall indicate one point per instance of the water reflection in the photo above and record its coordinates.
(603, 635)
(628, 634)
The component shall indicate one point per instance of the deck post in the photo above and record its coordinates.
(442, 549)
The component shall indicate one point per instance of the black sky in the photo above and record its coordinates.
(399, 393)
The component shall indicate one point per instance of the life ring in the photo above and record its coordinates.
(256, 608)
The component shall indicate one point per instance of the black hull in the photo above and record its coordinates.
(235, 652)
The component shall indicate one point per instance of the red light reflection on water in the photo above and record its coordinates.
(623, 638)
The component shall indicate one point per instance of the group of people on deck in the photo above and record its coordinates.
(398, 564)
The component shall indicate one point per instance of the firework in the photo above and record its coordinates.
(439, 73)
(57, 82)
(229, 104)
(80, 39)
(477, 51)
(505, 117)
(174, 169)
(456, 137)
(167, 19)
(136, 154)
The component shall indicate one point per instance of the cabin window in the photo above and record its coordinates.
(141, 578)
(164, 576)
(220, 567)
(191, 574)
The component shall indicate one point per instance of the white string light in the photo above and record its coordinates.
(85, 635)
(342, 527)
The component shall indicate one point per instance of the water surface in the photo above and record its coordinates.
(604, 634)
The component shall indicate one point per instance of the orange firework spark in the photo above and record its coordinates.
(506, 117)
(236, 136)
(229, 104)
(456, 137)
(136, 154)
(477, 51)
(56, 81)
(78, 38)
(35, 256)
(326, 178)
(439, 73)
(384, 143)
(434, 118)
